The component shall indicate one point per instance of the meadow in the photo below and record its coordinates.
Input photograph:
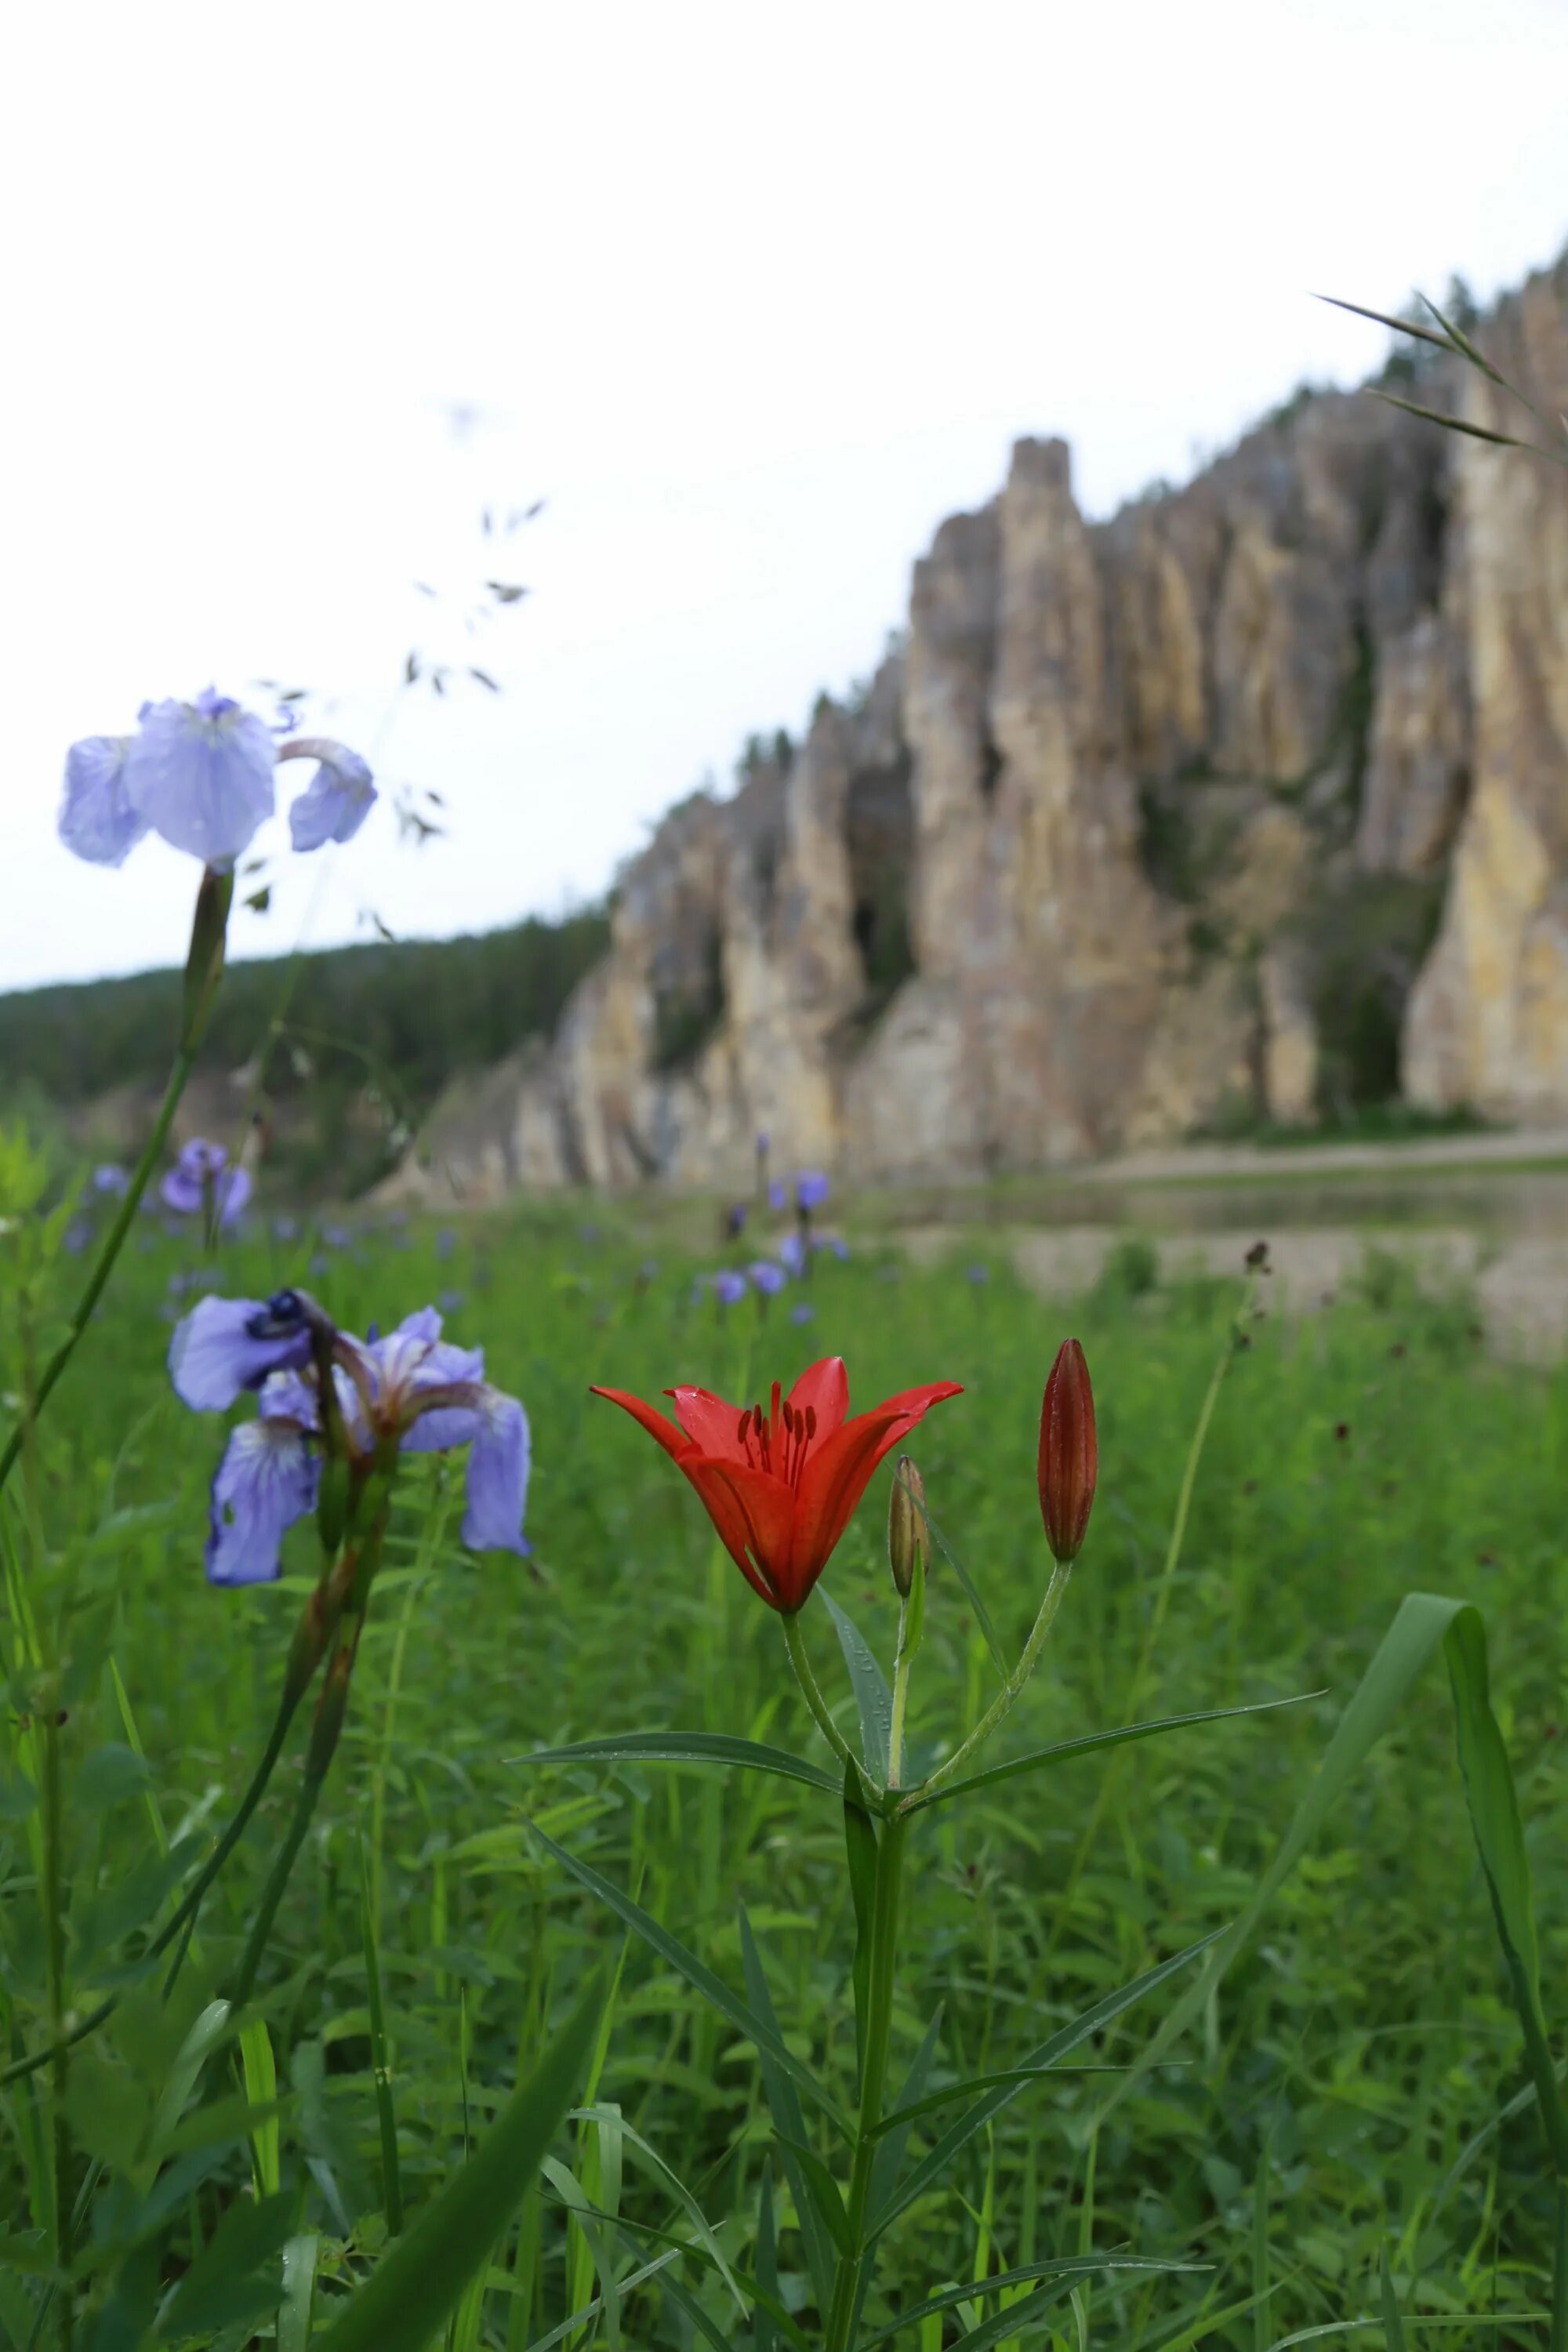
(1351, 2095)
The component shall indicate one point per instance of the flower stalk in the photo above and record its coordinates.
(881, 1976)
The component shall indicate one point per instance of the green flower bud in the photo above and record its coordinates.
(907, 1537)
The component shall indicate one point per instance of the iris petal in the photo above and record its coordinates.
(266, 1481)
(200, 773)
(97, 820)
(213, 1356)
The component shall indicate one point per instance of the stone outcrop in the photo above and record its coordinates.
(1253, 798)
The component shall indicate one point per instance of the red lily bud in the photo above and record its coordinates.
(1069, 1453)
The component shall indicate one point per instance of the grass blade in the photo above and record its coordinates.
(1066, 2038)
(687, 1964)
(422, 2276)
(379, 2059)
(788, 2121)
(1392, 2325)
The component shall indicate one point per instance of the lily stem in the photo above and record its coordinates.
(847, 2283)
(1007, 1697)
(902, 1662)
(796, 1645)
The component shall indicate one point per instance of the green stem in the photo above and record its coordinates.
(881, 1975)
(261, 1926)
(902, 1663)
(103, 1266)
(1008, 1693)
(1560, 2273)
(796, 1645)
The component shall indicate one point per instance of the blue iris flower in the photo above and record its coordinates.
(200, 1169)
(729, 1287)
(201, 774)
(767, 1279)
(411, 1385)
(810, 1189)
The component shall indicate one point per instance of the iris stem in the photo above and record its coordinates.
(795, 1643)
(103, 1264)
(882, 1973)
(55, 1965)
(1007, 1695)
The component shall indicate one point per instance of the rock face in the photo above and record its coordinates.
(1253, 798)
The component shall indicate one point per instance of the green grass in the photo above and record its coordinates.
(1354, 2054)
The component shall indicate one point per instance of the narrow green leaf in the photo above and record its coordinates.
(824, 2194)
(1392, 2325)
(908, 2114)
(685, 1747)
(1068, 2037)
(1500, 1836)
(764, 2336)
(1062, 2267)
(262, 2090)
(1062, 1750)
(872, 1697)
(1463, 424)
(1420, 1625)
(687, 1964)
(1381, 318)
(421, 2278)
(788, 2121)
(1462, 343)
(678, 2189)
(298, 2289)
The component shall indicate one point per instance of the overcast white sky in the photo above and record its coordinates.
(751, 297)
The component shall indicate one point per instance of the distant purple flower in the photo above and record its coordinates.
(778, 1194)
(450, 1301)
(111, 1179)
(77, 1235)
(338, 798)
(336, 1236)
(810, 1189)
(97, 820)
(767, 1279)
(835, 1245)
(803, 1312)
(734, 1220)
(792, 1252)
(446, 1242)
(729, 1287)
(201, 1169)
(412, 1385)
(978, 1274)
(285, 1229)
(763, 1140)
(201, 774)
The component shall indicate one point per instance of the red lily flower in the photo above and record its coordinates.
(780, 1486)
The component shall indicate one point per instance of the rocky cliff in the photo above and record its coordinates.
(1252, 799)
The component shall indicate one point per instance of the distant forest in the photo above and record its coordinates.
(384, 1024)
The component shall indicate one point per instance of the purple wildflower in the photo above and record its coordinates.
(792, 1252)
(412, 1387)
(810, 1189)
(978, 1274)
(805, 1312)
(202, 1172)
(112, 1179)
(729, 1287)
(77, 1235)
(767, 1279)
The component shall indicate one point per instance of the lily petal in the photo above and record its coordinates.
(754, 1513)
(710, 1423)
(823, 1387)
